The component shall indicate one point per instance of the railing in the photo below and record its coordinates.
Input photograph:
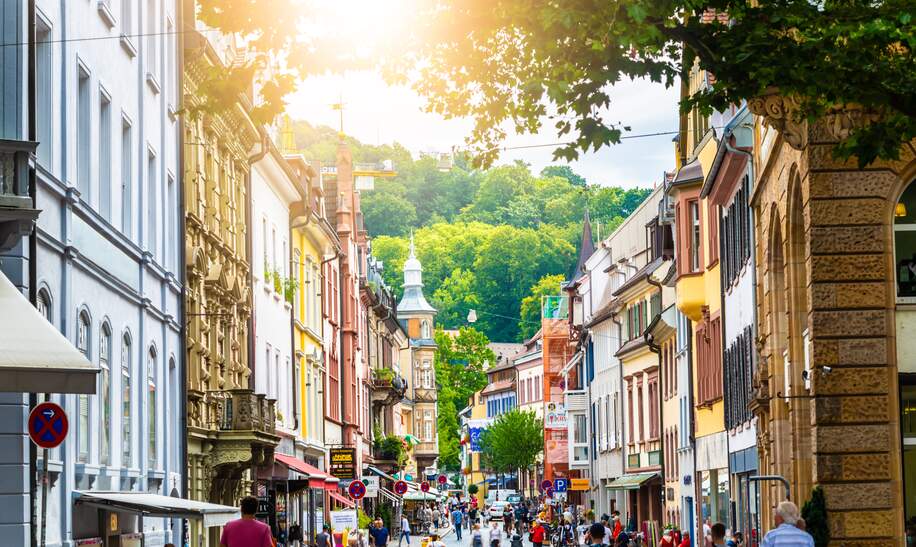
(14, 172)
(243, 410)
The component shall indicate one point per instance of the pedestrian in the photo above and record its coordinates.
(496, 535)
(717, 532)
(323, 538)
(667, 539)
(435, 541)
(247, 531)
(405, 530)
(379, 534)
(786, 533)
(456, 519)
(507, 520)
(537, 533)
(623, 539)
(618, 527)
(685, 539)
(738, 539)
(595, 535)
(476, 536)
(436, 515)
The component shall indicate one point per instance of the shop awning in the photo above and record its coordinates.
(631, 482)
(342, 500)
(317, 477)
(156, 505)
(36, 358)
(379, 473)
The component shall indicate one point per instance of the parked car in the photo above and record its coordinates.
(497, 509)
(514, 499)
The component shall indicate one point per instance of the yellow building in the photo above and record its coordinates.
(473, 419)
(231, 430)
(313, 242)
(699, 298)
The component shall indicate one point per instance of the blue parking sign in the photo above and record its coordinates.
(560, 485)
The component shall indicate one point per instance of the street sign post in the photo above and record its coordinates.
(400, 488)
(560, 485)
(48, 425)
(357, 490)
(443, 479)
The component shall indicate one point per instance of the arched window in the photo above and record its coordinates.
(151, 404)
(126, 399)
(905, 246)
(424, 329)
(82, 424)
(104, 395)
(44, 303)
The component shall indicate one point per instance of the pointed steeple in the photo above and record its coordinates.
(413, 300)
(586, 247)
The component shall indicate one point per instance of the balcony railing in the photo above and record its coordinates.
(14, 172)
(244, 410)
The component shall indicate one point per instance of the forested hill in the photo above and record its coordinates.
(487, 239)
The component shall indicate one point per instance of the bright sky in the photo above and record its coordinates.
(377, 113)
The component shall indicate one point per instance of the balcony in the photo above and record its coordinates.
(17, 216)
(388, 387)
(244, 410)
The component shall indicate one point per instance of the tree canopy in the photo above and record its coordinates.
(459, 365)
(512, 441)
(516, 64)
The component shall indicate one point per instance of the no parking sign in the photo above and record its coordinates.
(48, 425)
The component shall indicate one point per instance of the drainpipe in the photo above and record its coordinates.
(33, 265)
(182, 269)
(249, 251)
(622, 429)
(324, 425)
(656, 349)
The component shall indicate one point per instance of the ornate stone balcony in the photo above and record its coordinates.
(17, 216)
(388, 387)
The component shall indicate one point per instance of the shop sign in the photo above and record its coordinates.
(580, 485)
(342, 521)
(343, 463)
(372, 485)
(475, 438)
(555, 417)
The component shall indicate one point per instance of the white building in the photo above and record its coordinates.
(109, 253)
(274, 188)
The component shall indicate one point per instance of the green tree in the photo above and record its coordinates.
(530, 322)
(388, 213)
(454, 298)
(513, 441)
(566, 172)
(814, 512)
(459, 365)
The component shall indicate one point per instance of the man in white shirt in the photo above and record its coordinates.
(405, 530)
(786, 534)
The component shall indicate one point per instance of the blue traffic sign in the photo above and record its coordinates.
(560, 485)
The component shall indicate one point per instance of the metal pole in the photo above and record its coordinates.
(779, 478)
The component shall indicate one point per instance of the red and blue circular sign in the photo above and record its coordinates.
(48, 425)
(545, 484)
(357, 490)
(443, 479)
(425, 486)
(400, 488)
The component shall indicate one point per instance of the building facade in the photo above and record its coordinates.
(109, 256)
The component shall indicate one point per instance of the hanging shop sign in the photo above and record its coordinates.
(343, 463)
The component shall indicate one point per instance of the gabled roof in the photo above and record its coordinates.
(586, 249)
(642, 274)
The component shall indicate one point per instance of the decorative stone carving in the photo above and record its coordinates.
(230, 453)
(843, 120)
(782, 113)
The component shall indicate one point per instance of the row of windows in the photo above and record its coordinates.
(424, 426)
(530, 390)
(637, 395)
(605, 412)
(308, 281)
(736, 234)
(115, 393)
(500, 405)
(671, 463)
(739, 374)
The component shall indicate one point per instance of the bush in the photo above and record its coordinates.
(383, 374)
(473, 489)
(391, 447)
(815, 514)
(364, 519)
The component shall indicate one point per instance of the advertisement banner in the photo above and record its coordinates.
(372, 485)
(343, 521)
(343, 463)
(475, 438)
(555, 416)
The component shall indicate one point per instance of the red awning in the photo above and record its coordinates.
(317, 478)
(341, 500)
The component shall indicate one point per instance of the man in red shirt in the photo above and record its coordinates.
(247, 531)
(537, 533)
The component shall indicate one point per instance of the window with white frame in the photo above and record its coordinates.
(126, 440)
(126, 178)
(579, 444)
(82, 425)
(104, 155)
(44, 304)
(44, 72)
(152, 222)
(151, 403)
(83, 133)
(104, 395)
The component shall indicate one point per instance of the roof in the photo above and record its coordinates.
(586, 249)
(414, 301)
(157, 505)
(36, 357)
(506, 349)
(692, 172)
(603, 313)
(640, 275)
(632, 345)
(495, 387)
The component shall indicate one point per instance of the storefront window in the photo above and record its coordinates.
(714, 492)
(908, 429)
(905, 245)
